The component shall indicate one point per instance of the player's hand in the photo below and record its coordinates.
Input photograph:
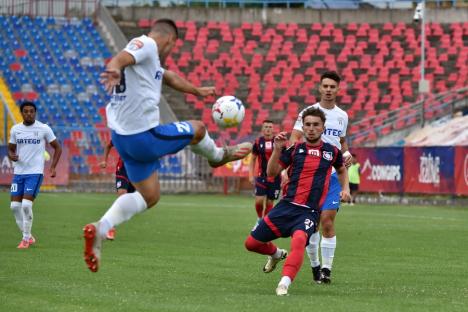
(348, 159)
(103, 164)
(206, 91)
(281, 139)
(52, 172)
(284, 178)
(13, 157)
(252, 180)
(110, 78)
(345, 196)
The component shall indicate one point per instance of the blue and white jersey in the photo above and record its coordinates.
(134, 105)
(30, 146)
(336, 124)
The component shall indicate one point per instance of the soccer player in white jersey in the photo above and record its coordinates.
(26, 149)
(335, 134)
(134, 77)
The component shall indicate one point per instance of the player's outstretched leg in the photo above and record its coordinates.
(204, 145)
(293, 262)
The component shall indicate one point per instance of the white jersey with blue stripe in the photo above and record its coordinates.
(134, 105)
(336, 124)
(30, 146)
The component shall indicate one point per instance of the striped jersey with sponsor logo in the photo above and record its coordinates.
(309, 171)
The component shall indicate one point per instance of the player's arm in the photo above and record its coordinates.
(173, 80)
(12, 152)
(107, 149)
(347, 157)
(55, 159)
(274, 167)
(253, 160)
(111, 76)
(342, 176)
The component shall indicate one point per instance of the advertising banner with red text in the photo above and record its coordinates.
(461, 170)
(239, 168)
(6, 168)
(381, 169)
(429, 170)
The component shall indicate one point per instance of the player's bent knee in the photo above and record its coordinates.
(251, 244)
(151, 199)
(199, 130)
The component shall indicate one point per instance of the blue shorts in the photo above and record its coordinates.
(26, 184)
(332, 201)
(265, 187)
(283, 220)
(141, 152)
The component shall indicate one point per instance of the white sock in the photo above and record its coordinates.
(26, 206)
(328, 246)
(18, 213)
(285, 280)
(207, 148)
(124, 207)
(313, 249)
(278, 253)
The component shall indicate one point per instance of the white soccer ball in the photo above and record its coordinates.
(228, 111)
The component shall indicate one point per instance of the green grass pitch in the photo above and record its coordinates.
(187, 254)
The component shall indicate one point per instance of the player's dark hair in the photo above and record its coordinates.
(166, 26)
(354, 155)
(268, 121)
(27, 103)
(333, 75)
(313, 111)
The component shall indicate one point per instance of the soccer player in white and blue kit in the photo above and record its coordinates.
(335, 133)
(134, 77)
(26, 149)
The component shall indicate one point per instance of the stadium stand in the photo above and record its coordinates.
(274, 69)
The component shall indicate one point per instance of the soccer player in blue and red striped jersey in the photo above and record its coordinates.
(267, 189)
(309, 166)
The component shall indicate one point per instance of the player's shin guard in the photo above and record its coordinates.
(328, 246)
(18, 213)
(296, 256)
(124, 207)
(251, 244)
(207, 148)
(26, 206)
(313, 249)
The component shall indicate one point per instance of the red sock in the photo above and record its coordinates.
(259, 247)
(296, 256)
(259, 209)
(269, 206)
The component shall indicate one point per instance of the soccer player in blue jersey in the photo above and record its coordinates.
(26, 149)
(134, 77)
(267, 189)
(309, 165)
(335, 134)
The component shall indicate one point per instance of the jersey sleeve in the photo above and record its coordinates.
(345, 126)
(298, 123)
(285, 159)
(49, 134)
(140, 49)
(338, 163)
(13, 136)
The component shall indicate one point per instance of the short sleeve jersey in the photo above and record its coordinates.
(336, 124)
(30, 146)
(134, 104)
(263, 149)
(309, 171)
